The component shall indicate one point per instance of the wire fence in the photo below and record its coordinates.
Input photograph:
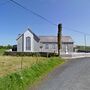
(9, 64)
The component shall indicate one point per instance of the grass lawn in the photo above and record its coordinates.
(9, 64)
(2, 51)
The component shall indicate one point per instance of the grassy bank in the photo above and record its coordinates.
(10, 64)
(22, 79)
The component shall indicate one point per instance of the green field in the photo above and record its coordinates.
(12, 77)
(2, 51)
(9, 64)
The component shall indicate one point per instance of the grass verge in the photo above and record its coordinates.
(12, 64)
(21, 80)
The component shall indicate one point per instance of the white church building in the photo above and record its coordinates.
(30, 42)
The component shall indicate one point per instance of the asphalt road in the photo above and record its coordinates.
(74, 75)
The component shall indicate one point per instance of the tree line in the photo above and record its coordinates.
(6, 47)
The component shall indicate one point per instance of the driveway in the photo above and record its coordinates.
(73, 75)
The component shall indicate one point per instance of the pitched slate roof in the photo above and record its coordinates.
(48, 38)
(35, 36)
(54, 39)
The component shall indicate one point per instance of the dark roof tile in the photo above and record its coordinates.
(54, 39)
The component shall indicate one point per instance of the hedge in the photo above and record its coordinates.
(43, 54)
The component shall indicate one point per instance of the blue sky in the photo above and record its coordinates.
(73, 14)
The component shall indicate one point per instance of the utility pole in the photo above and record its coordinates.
(85, 42)
(59, 36)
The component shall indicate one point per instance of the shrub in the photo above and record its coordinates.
(43, 54)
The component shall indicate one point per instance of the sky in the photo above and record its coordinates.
(73, 14)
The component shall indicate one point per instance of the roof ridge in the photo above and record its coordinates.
(51, 36)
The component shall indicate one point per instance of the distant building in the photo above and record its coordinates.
(14, 48)
(30, 42)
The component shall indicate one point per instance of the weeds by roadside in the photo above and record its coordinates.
(21, 80)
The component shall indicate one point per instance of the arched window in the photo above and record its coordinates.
(28, 43)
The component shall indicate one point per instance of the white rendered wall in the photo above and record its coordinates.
(19, 44)
(28, 34)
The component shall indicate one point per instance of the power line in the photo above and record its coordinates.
(45, 19)
(34, 13)
(71, 29)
